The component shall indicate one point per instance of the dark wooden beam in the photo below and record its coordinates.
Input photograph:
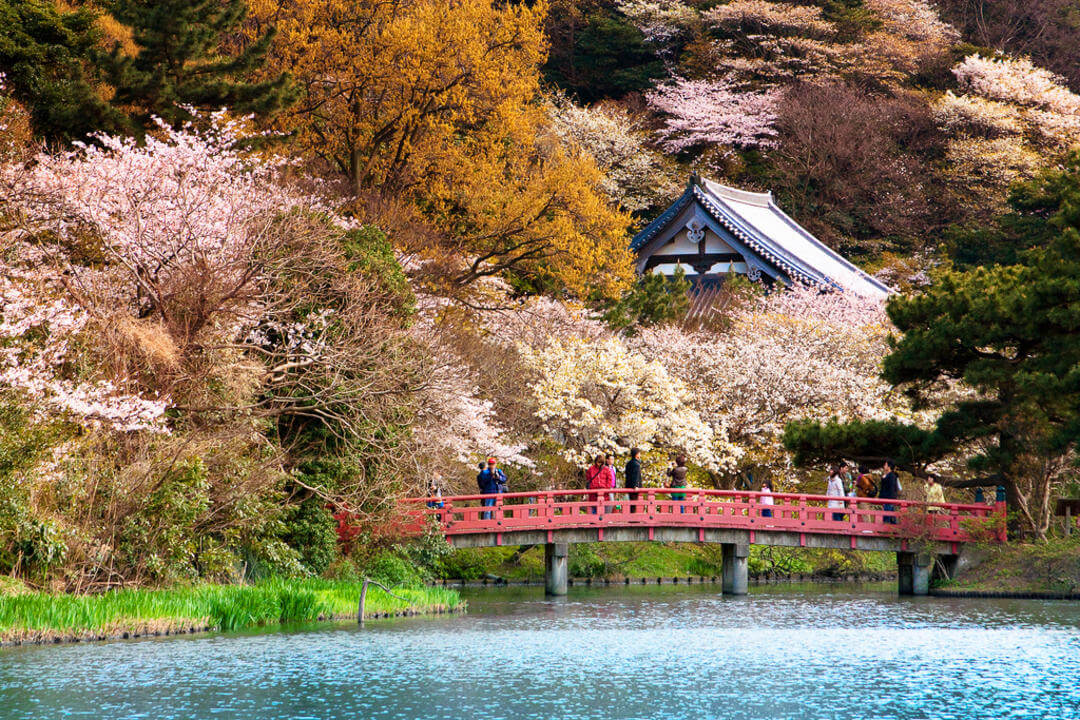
(692, 259)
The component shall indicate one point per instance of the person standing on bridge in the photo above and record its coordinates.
(490, 481)
(599, 477)
(677, 472)
(835, 489)
(609, 460)
(633, 477)
(889, 489)
(934, 493)
(766, 498)
(865, 487)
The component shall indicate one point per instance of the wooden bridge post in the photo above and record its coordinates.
(736, 568)
(556, 568)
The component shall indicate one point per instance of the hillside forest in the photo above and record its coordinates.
(269, 266)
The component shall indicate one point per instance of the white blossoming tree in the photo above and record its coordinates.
(1008, 119)
(787, 355)
(635, 176)
(599, 396)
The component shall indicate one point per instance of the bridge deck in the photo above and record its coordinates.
(719, 516)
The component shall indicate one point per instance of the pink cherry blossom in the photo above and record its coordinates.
(700, 113)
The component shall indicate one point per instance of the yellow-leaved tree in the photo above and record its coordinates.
(438, 101)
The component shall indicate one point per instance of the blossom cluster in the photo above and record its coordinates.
(131, 227)
(1009, 119)
(182, 199)
(762, 13)
(1016, 80)
(40, 329)
(635, 176)
(599, 396)
(714, 112)
(788, 355)
(915, 20)
(660, 21)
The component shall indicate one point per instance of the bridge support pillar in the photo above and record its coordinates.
(913, 572)
(736, 567)
(556, 568)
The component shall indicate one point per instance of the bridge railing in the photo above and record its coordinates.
(693, 507)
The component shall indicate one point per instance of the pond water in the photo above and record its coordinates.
(637, 652)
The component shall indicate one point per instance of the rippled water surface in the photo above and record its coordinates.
(639, 652)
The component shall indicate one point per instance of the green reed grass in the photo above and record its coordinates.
(219, 607)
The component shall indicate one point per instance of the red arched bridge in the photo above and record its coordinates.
(917, 532)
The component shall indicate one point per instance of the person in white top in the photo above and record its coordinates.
(836, 489)
(766, 498)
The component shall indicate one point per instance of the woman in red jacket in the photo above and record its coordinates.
(599, 477)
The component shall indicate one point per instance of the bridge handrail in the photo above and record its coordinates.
(738, 494)
(703, 508)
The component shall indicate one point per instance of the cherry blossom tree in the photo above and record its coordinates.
(635, 176)
(660, 21)
(1016, 80)
(703, 113)
(1008, 119)
(599, 396)
(786, 355)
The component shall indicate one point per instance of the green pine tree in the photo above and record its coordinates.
(181, 61)
(43, 55)
(1011, 332)
(653, 300)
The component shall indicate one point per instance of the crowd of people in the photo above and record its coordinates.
(843, 481)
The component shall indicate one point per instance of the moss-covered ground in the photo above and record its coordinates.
(1050, 567)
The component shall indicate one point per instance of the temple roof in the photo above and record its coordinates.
(764, 228)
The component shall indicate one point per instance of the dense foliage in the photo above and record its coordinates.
(270, 265)
(1008, 333)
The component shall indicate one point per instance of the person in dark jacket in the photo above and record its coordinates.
(889, 489)
(490, 481)
(677, 472)
(633, 476)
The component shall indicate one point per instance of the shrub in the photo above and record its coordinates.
(391, 570)
(312, 531)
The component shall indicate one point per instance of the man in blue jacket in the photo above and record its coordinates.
(491, 481)
(889, 489)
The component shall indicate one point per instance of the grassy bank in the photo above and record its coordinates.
(1037, 568)
(43, 617)
(619, 560)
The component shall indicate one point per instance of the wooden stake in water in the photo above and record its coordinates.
(363, 597)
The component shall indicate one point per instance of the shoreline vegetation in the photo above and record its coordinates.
(1045, 569)
(614, 562)
(41, 617)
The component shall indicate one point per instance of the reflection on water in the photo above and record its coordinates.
(637, 652)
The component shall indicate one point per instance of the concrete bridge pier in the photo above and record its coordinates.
(913, 572)
(736, 568)
(556, 568)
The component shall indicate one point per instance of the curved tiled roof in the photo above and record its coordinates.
(756, 221)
